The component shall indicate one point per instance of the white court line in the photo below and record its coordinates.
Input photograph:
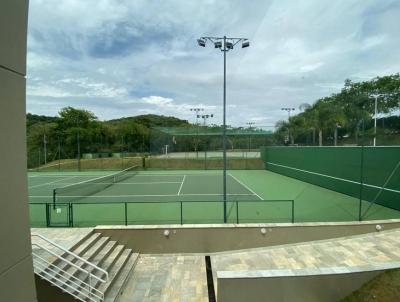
(136, 175)
(336, 178)
(71, 175)
(154, 195)
(125, 183)
(47, 183)
(180, 188)
(254, 193)
(101, 175)
(208, 173)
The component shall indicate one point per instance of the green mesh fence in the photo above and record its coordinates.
(369, 173)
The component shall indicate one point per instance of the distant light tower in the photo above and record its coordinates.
(205, 117)
(288, 110)
(224, 44)
(196, 111)
(375, 113)
(250, 124)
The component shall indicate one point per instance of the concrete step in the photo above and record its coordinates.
(88, 255)
(98, 260)
(110, 261)
(115, 270)
(79, 250)
(118, 285)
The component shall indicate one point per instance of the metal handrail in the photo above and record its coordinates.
(68, 262)
(46, 268)
(67, 279)
(70, 253)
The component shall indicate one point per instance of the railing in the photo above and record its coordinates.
(161, 212)
(53, 267)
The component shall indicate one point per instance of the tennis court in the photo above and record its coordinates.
(157, 197)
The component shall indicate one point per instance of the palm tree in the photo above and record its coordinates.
(329, 115)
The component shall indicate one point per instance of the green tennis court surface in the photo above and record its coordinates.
(158, 197)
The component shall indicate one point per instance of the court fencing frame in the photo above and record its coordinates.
(238, 217)
(368, 173)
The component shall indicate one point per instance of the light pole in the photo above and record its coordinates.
(376, 113)
(288, 110)
(224, 44)
(250, 124)
(205, 117)
(78, 141)
(376, 96)
(45, 148)
(196, 111)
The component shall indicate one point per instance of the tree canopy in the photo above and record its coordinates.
(344, 111)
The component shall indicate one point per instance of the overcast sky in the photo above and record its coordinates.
(128, 57)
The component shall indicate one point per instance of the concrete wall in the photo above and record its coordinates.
(217, 238)
(49, 293)
(16, 270)
(327, 286)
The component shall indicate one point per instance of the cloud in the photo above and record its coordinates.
(157, 100)
(120, 57)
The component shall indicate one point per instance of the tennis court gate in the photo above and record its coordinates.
(60, 215)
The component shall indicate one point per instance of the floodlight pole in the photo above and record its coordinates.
(78, 142)
(196, 111)
(288, 110)
(225, 44)
(376, 112)
(250, 124)
(224, 136)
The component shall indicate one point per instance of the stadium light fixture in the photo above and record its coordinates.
(224, 44)
(201, 42)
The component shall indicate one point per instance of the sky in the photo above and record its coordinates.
(121, 58)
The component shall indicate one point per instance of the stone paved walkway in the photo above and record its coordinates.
(355, 251)
(169, 278)
(65, 237)
(182, 277)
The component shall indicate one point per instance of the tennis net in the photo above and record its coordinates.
(77, 191)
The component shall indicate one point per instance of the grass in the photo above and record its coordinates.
(383, 288)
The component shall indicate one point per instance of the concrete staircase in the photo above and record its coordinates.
(101, 251)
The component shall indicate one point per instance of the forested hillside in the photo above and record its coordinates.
(77, 130)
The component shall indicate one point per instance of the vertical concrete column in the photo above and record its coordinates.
(16, 269)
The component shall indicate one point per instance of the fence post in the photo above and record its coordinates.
(126, 213)
(71, 214)
(181, 213)
(237, 211)
(292, 211)
(48, 214)
(361, 182)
